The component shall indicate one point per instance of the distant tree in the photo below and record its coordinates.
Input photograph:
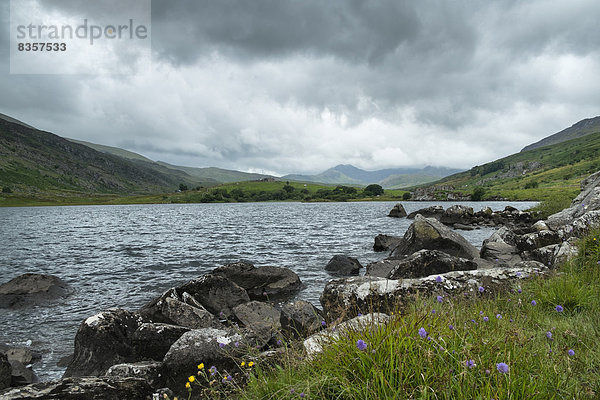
(373, 190)
(531, 185)
(478, 193)
(6, 189)
(183, 187)
(406, 196)
(288, 188)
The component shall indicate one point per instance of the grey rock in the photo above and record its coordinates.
(428, 233)
(150, 371)
(315, 343)
(429, 262)
(587, 201)
(83, 388)
(32, 289)
(386, 242)
(218, 294)
(540, 226)
(104, 340)
(397, 211)
(262, 283)
(21, 374)
(300, 319)
(5, 372)
(383, 268)
(428, 212)
(183, 314)
(463, 227)
(259, 317)
(153, 340)
(346, 297)
(535, 240)
(496, 250)
(343, 265)
(457, 214)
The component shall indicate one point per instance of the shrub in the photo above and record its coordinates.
(406, 196)
(6, 189)
(478, 194)
(373, 190)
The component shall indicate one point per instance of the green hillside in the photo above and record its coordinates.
(112, 150)
(217, 174)
(580, 129)
(530, 175)
(33, 162)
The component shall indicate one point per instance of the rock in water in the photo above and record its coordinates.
(428, 233)
(386, 242)
(216, 293)
(102, 341)
(83, 388)
(397, 211)
(343, 265)
(263, 282)
(428, 212)
(32, 289)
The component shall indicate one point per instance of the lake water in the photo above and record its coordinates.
(122, 256)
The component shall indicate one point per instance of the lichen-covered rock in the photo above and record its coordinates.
(83, 388)
(104, 340)
(262, 283)
(535, 240)
(397, 211)
(218, 294)
(428, 233)
(345, 298)
(153, 340)
(428, 212)
(458, 214)
(343, 265)
(587, 201)
(259, 317)
(300, 319)
(32, 289)
(5, 372)
(386, 242)
(369, 322)
(147, 370)
(428, 262)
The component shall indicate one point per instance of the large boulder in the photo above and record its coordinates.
(369, 322)
(457, 214)
(218, 294)
(428, 212)
(535, 240)
(429, 262)
(259, 317)
(500, 248)
(32, 289)
(22, 374)
(83, 388)
(428, 233)
(397, 211)
(300, 319)
(266, 282)
(213, 347)
(383, 268)
(345, 298)
(587, 201)
(5, 372)
(104, 340)
(386, 242)
(153, 340)
(343, 265)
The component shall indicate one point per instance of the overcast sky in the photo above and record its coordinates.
(298, 86)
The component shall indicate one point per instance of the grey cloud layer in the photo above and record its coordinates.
(294, 86)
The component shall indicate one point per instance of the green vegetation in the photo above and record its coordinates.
(539, 174)
(537, 341)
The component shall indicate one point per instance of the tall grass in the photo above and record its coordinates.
(515, 345)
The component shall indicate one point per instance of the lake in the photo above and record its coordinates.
(123, 256)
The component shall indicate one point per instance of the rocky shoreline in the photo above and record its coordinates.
(239, 311)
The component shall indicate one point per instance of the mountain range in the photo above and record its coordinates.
(580, 129)
(388, 178)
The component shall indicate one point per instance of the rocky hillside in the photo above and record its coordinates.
(580, 129)
(33, 161)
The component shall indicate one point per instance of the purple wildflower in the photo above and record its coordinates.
(485, 319)
(451, 327)
(360, 344)
(502, 368)
(279, 342)
(510, 320)
(480, 312)
(221, 345)
(571, 352)
(438, 279)
(481, 289)
(212, 370)
(236, 344)
(498, 316)
(519, 290)
(302, 394)
(422, 332)
(533, 302)
(559, 308)
(433, 311)
(470, 363)
(360, 314)
(440, 299)
(549, 335)
(323, 323)
(292, 390)
(229, 378)
(487, 372)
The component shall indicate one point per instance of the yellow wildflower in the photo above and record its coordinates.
(187, 385)
(251, 363)
(192, 378)
(243, 363)
(201, 366)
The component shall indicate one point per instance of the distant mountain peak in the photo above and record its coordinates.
(579, 129)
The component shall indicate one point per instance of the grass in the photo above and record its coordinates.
(548, 354)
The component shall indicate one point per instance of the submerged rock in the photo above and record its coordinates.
(397, 211)
(32, 289)
(386, 242)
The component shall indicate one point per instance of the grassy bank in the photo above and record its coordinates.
(537, 341)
